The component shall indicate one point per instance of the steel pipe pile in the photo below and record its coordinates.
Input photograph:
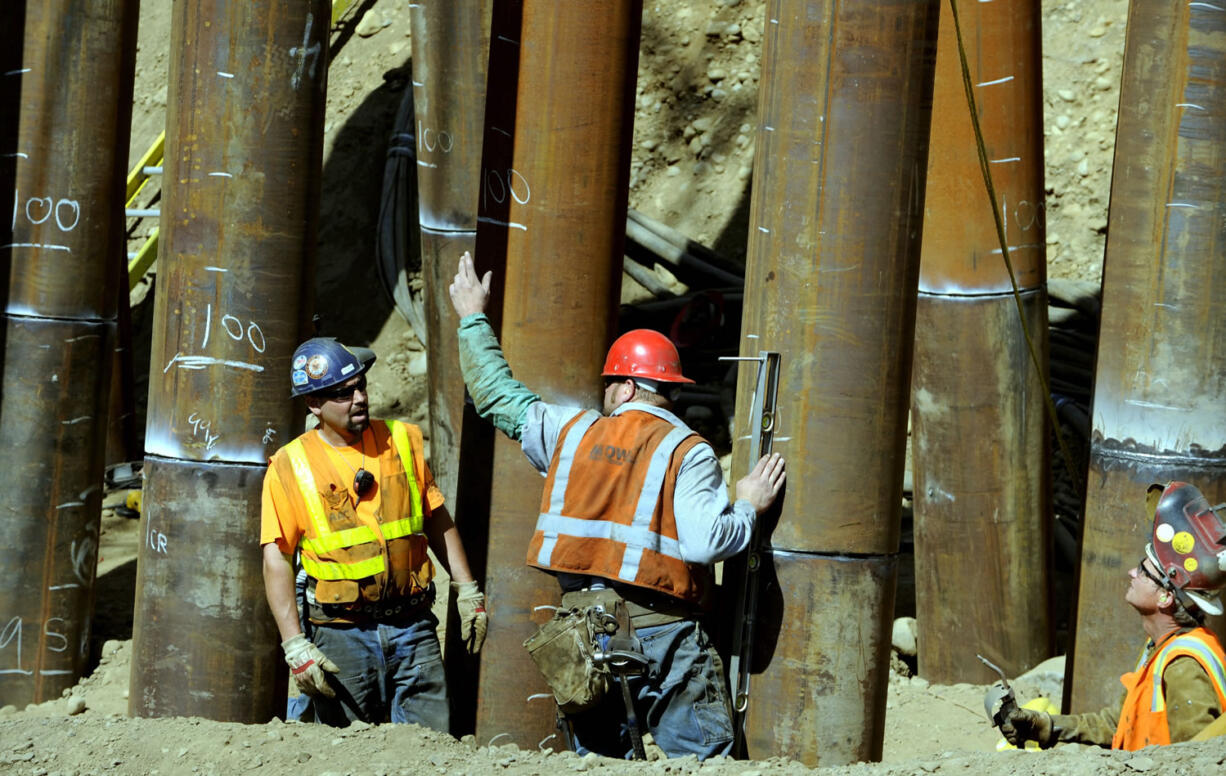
(1159, 411)
(241, 199)
(554, 187)
(66, 72)
(449, 75)
(979, 431)
(834, 252)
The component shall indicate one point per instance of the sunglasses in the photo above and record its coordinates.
(343, 392)
(1141, 568)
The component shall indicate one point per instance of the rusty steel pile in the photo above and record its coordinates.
(875, 271)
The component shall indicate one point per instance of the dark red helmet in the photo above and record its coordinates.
(1189, 544)
(647, 354)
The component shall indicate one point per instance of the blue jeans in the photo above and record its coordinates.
(680, 700)
(389, 671)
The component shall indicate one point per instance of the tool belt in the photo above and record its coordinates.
(567, 649)
(378, 611)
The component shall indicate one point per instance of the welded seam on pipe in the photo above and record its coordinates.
(984, 165)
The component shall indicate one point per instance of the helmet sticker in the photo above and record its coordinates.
(317, 366)
(1183, 542)
(300, 362)
(1164, 532)
(299, 377)
(1190, 564)
(347, 368)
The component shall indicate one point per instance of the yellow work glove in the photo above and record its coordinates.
(470, 603)
(1024, 725)
(307, 665)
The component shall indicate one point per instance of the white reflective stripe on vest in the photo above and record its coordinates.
(649, 496)
(638, 535)
(561, 477)
(603, 529)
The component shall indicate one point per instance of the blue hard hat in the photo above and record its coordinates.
(322, 362)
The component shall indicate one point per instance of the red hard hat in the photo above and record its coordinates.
(647, 354)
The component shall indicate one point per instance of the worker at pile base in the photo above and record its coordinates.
(1179, 684)
(355, 499)
(634, 501)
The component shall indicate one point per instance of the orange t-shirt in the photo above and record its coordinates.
(279, 523)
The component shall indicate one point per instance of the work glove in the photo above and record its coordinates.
(470, 603)
(1022, 725)
(307, 665)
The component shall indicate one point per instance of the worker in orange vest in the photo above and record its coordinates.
(634, 512)
(355, 500)
(1179, 684)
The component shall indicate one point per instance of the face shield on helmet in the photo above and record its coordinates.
(1189, 544)
(322, 362)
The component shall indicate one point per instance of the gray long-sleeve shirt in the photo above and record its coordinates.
(709, 527)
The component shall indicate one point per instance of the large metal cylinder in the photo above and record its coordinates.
(979, 429)
(555, 169)
(1160, 386)
(241, 198)
(450, 51)
(451, 47)
(830, 284)
(66, 70)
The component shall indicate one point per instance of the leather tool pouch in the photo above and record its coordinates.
(563, 648)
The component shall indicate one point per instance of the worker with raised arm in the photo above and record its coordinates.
(354, 498)
(634, 512)
(1178, 687)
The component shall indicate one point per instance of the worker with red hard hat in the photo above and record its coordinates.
(1178, 687)
(634, 512)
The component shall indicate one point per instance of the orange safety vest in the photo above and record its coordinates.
(352, 561)
(1143, 716)
(607, 507)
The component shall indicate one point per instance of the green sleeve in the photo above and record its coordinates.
(498, 396)
(1191, 702)
(1095, 727)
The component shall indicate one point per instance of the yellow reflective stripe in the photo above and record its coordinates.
(329, 571)
(399, 528)
(334, 541)
(400, 438)
(306, 485)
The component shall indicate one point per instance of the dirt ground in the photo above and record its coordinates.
(694, 141)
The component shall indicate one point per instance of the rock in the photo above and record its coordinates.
(74, 705)
(1066, 94)
(418, 363)
(703, 124)
(903, 636)
(716, 74)
(369, 25)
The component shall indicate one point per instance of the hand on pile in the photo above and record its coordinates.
(470, 603)
(1022, 725)
(762, 485)
(469, 293)
(307, 665)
